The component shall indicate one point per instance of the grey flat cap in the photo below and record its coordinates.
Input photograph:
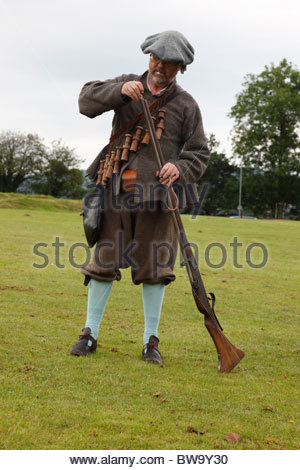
(169, 46)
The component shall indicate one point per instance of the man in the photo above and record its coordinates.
(136, 229)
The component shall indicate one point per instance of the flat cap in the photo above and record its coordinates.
(169, 46)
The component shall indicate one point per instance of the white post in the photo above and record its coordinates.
(240, 191)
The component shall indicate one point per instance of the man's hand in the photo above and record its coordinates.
(168, 174)
(133, 89)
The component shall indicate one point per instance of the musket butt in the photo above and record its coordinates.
(226, 364)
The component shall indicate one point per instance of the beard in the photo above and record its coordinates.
(159, 79)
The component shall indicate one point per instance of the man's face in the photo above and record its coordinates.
(162, 73)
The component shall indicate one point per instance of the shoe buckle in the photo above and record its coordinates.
(85, 332)
(153, 342)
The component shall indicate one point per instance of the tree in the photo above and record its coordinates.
(28, 164)
(21, 156)
(266, 130)
(220, 174)
(58, 179)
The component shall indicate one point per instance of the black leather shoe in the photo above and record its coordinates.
(86, 344)
(150, 350)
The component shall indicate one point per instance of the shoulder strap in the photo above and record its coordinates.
(156, 103)
(176, 92)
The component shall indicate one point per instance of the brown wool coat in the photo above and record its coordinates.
(183, 141)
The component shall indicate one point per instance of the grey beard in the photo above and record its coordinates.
(161, 81)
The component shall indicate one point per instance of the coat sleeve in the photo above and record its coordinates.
(194, 156)
(97, 97)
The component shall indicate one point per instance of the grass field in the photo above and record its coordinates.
(113, 400)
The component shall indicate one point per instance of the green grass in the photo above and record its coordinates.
(51, 400)
(37, 201)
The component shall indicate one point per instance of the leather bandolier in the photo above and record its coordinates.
(129, 138)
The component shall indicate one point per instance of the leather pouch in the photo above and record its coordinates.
(93, 205)
(128, 180)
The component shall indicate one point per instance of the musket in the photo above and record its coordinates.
(228, 354)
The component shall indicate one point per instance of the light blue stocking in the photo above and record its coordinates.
(97, 298)
(153, 295)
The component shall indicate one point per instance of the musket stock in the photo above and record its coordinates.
(229, 356)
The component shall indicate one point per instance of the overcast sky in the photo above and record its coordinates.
(50, 48)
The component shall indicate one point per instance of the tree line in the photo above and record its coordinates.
(28, 165)
(265, 142)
